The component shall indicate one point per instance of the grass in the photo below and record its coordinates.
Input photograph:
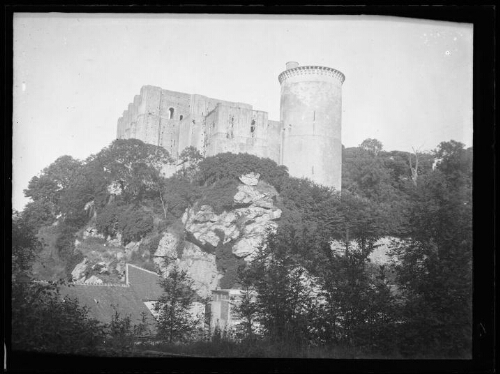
(259, 348)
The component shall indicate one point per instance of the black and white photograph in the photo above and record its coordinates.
(286, 186)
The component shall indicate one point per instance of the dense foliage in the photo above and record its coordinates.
(419, 305)
(313, 283)
(175, 323)
(44, 321)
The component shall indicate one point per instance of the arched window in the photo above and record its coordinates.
(170, 113)
(181, 117)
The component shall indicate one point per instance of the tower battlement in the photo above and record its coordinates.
(312, 70)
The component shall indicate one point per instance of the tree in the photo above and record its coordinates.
(246, 309)
(134, 165)
(25, 247)
(373, 146)
(364, 173)
(454, 160)
(122, 335)
(189, 159)
(284, 297)
(53, 182)
(176, 195)
(434, 262)
(41, 319)
(175, 324)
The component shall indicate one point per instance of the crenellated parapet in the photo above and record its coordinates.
(311, 70)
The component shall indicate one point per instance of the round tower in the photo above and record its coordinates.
(311, 111)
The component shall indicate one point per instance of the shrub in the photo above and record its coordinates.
(41, 321)
(232, 166)
(107, 220)
(178, 194)
(220, 196)
(122, 335)
(134, 224)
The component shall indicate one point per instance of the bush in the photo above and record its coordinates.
(41, 321)
(232, 166)
(134, 224)
(107, 219)
(178, 194)
(65, 244)
(221, 195)
(122, 335)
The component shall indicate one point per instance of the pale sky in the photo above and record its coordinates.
(408, 82)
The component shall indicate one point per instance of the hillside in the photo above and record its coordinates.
(115, 207)
(385, 266)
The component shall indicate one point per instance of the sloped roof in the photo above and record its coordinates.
(101, 299)
(144, 282)
(128, 299)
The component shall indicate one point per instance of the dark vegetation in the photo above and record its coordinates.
(302, 297)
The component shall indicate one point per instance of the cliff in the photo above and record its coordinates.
(208, 245)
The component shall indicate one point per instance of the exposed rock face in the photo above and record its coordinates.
(240, 231)
(93, 280)
(130, 248)
(203, 225)
(166, 251)
(201, 268)
(250, 179)
(91, 232)
(199, 265)
(380, 254)
(247, 195)
(246, 227)
(115, 188)
(79, 270)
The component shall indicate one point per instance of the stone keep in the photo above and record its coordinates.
(307, 139)
(311, 110)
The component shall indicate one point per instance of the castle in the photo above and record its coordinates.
(307, 139)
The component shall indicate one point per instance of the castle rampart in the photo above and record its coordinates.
(176, 120)
(307, 139)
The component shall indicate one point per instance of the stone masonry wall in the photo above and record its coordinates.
(176, 120)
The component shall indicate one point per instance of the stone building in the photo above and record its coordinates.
(306, 139)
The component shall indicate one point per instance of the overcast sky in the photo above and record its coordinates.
(408, 82)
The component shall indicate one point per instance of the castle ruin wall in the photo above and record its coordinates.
(175, 121)
(307, 139)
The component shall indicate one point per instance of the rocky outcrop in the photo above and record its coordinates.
(79, 271)
(130, 248)
(91, 232)
(115, 188)
(166, 251)
(381, 253)
(238, 231)
(93, 280)
(201, 268)
(250, 179)
(209, 228)
(246, 227)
